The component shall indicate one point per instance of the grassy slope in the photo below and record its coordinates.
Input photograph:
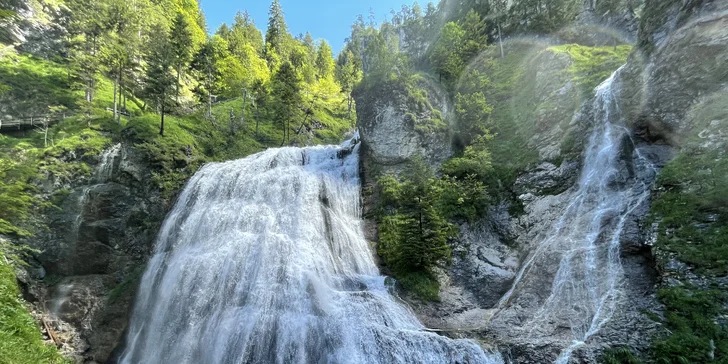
(20, 339)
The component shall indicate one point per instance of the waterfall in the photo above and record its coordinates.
(263, 260)
(105, 169)
(584, 243)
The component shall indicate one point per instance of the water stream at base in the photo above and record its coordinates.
(263, 260)
(585, 240)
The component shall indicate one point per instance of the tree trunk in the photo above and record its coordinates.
(116, 86)
(179, 75)
(350, 104)
(257, 119)
(209, 94)
(500, 41)
(161, 127)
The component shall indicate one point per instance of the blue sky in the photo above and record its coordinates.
(327, 19)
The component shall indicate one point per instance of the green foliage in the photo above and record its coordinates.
(20, 338)
(286, 97)
(592, 65)
(180, 40)
(276, 37)
(159, 80)
(620, 355)
(16, 194)
(446, 55)
(413, 237)
(32, 84)
(695, 336)
(476, 161)
(325, 61)
(413, 222)
(174, 157)
(422, 284)
(472, 111)
(541, 17)
(692, 210)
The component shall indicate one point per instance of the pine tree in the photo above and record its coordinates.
(244, 33)
(275, 37)
(475, 38)
(160, 81)
(325, 61)
(348, 74)
(287, 97)
(181, 45)
(205, 63)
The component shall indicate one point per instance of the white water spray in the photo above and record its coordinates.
(585, 240)
(105, 169)
(263, 260)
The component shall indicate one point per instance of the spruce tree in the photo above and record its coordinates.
(325, 61)
(287, 97)
(160, 81)
(275, 37)
(181, 46)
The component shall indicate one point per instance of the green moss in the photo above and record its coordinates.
(592, 65)
(20, 337)
(692, 210)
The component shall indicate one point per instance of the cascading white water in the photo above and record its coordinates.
(105, 169)
(263, 260)
(585, 241)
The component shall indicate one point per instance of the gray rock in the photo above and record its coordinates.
(394, 127)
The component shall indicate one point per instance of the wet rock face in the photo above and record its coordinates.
(485, 260)
(95, 249)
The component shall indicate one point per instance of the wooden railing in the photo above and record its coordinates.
(30, 122)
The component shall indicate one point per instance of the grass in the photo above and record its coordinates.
(29, 85)
(20, 338)
(694, 334)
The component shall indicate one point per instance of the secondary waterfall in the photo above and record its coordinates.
(584, 243)
(263, 260)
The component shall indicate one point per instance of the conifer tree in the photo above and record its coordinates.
(287, 97)
(275, 37)
(181, 45)
(325, 61)
(348, 74)
(160, 81)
